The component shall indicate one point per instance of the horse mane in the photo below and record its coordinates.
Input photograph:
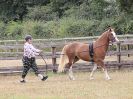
(103, 35)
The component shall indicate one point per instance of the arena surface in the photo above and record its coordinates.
(60, 87)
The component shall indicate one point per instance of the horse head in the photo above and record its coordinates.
(112, 35)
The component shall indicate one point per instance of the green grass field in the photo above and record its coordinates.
(60, 87)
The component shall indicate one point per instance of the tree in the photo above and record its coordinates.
(17, 9)
(126, 5)
(13, 10)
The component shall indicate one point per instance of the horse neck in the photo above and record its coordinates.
(103, 41)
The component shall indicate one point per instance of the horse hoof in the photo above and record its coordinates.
(91, 78)
(108, 78)
(71, 78)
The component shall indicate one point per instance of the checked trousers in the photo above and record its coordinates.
(27, 64)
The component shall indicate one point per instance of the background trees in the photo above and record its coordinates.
(64, 18)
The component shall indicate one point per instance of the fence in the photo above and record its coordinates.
(14, 48)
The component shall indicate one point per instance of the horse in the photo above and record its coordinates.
(71, 53)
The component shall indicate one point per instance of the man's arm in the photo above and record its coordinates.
(34, 49)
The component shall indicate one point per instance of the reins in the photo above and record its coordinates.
(54, 70)
(45, 62)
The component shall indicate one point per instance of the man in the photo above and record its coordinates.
(29, 60)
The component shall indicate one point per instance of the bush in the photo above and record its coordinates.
(14, 30)
(40, 29)
(2, 30)
(44, 13)
(52, 27)
(27, 27)
(105, 23)
(70, 27)
(124, 25)
(65, 27)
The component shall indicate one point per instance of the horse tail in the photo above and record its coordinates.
(63, 60)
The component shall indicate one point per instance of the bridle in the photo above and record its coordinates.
(111, 36)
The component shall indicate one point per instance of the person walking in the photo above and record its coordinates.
(29, 60)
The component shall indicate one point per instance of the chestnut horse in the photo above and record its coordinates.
(76, 50)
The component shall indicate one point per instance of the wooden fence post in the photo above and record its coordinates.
(17, 50)
(119, 54)
(54, 58)
(127, 47)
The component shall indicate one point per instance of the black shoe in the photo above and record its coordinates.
(54, 71)
(22, 81)
(44, 78)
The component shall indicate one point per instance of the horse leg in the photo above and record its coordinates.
(94, 68)
(69, 68)
(107, 77)
(71, 77)
(106, 73)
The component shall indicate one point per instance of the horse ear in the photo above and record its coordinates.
(110, 29)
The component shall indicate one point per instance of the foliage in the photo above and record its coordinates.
(14, 29)
(71, 27)
(41, 13)
(64, 18)
(126, 5)
(38, 29)
(2, 30)
(12, 10)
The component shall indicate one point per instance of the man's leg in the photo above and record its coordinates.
(25, 69)
(35, 69)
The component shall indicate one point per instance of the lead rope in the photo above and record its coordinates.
(45, 63)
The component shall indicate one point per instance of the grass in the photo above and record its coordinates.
(60, 87)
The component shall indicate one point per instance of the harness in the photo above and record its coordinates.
(91, 52)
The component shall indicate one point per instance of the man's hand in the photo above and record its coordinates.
(41, 52)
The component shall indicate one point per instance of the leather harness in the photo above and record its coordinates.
(91, 52)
